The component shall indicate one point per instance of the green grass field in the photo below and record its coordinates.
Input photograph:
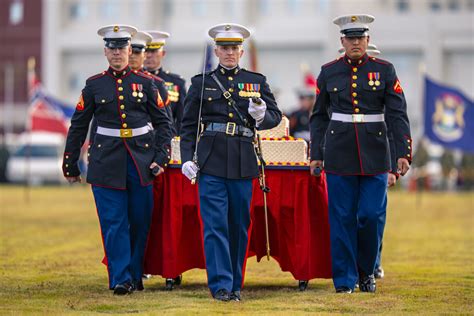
(50, 251)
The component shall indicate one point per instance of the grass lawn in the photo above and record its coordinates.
(50, 252)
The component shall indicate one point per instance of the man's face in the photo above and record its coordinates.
(118, 57)
(136, 60)
(229, 56)
(355, 46)
(153, 58)
(307, 102)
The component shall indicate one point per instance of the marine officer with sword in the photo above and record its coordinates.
(217, 147)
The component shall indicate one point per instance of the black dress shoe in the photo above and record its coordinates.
(177, 281)
(303, 285)
(170, 283)
(344, 289)
(138, 285)
(123, 289)
(235, 296)
(379, 273)
(367, 283)
(222, 295)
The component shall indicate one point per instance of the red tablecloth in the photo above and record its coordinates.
(298, 225)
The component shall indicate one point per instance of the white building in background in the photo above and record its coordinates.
(436, 36)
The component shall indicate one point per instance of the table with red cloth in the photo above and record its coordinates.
(297, 215)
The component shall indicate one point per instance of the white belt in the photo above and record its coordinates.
(123, 132)
(357, 118)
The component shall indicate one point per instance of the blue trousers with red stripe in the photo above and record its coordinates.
(125, 217)
(225, 213)
(357, 209)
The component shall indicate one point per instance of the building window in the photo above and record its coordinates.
(403, 5)
(470, 5)
(75, 82)
(110, 9)
(435, 5)
(263, 7)
(167, 7)
(16, 12)
(199, 7)
(454, 5)
(294, 7)
(78, 10)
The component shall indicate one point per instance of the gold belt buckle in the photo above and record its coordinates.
(126, 132)
(357, 118)
(230, 128)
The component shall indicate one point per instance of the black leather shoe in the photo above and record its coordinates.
(367, 283)
(123, 289)
(222, 295)
(169, 285)
(235, 296)
(138, 285)
(379, 273)
(177, 281)
(344, 289)
(303, 285)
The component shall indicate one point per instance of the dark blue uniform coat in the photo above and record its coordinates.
(108, 98)
(176, 87)
(359, 149)
(221, 155)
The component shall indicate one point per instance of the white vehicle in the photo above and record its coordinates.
(37, 159)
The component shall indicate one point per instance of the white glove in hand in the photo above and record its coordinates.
(189, 169)
(257, 111)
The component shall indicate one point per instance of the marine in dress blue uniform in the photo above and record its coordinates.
(225, 159)
(393, 176)
(122, 155)
(360, 103)
(174, 83)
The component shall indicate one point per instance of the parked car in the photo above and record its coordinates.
(37, 159)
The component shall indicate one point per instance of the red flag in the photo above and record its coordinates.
(45, 113)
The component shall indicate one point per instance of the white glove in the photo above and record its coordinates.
(257, 111)
(190, 169)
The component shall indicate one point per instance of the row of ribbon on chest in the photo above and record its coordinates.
(249, 90)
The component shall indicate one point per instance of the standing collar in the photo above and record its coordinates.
(356, 62)
(226, 71)
(118, 73)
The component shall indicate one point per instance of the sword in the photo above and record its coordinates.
(198, 129)
(261, 179)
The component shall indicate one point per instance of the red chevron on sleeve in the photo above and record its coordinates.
(397, 87)
(80, 104)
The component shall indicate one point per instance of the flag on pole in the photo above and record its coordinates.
(209, 60)
(45, 113)
(449, 116)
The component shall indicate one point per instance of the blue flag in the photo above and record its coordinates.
(449, 117)
(209, 60)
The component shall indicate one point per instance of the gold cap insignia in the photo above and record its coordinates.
(353, 18)
(116, 28)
